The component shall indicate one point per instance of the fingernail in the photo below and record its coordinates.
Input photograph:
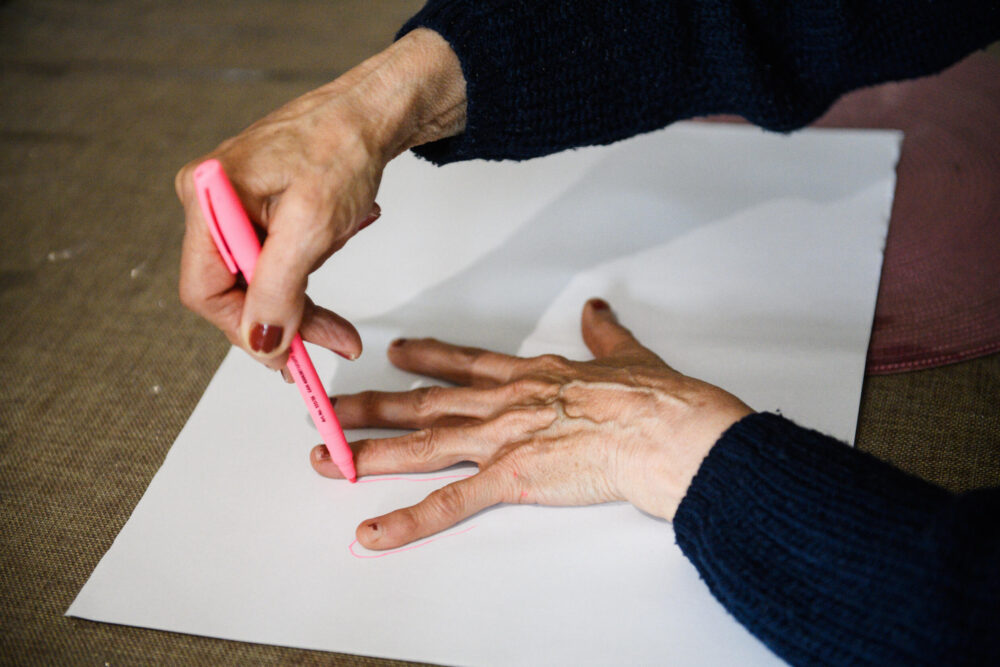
(398, 342)
(287, 376)
(599, 304)
(264, 338)
(322, 453)
(372, 527)
(349, 357)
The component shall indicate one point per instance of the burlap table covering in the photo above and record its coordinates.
(100, 366)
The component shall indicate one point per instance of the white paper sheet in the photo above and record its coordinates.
(747, 259)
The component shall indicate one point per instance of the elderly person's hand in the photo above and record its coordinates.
(547, 430)
(307, 175)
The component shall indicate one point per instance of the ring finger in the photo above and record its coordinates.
(436, 406)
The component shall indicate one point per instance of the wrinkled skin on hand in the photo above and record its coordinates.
(545, 430)
(307, 174)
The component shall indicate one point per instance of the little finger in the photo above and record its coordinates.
(470, 366)
(438, 511)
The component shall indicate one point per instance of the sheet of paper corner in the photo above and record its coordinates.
(237, 538)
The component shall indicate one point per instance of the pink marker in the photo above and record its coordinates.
(237, 242)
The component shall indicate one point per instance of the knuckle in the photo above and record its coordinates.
(510, 421)
(371, 403)
(319, 234)
(308, 211)
(183, 182)
(517, 422)
(190, 295)
(640, 374)
(533, 388)
(425, 402)
(447, 501)
(553, 363)
(513, 473)
(421, 446)
(472, 359)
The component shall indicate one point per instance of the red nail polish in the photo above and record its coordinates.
(265, 337)
(599, 304)
(322, 453)
(372, 217)
(373, 527)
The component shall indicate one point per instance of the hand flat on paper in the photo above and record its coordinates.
(746, 259)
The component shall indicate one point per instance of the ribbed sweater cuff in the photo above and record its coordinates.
(543, 77)
(465, 28)
(815, 547)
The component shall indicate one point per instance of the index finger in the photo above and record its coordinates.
(206, 285)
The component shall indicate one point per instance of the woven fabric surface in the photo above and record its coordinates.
(100, 366)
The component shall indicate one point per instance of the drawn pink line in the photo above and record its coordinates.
(383, 554)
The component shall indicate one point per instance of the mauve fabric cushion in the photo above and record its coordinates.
(939, 298)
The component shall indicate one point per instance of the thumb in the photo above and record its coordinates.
(604, 336)
(300, 235)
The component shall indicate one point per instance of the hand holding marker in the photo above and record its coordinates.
(237, 242)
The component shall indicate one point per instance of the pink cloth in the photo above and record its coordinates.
(939, 298)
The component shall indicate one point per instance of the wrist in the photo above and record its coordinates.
(660, 471)
(409, 94)
(435, 104)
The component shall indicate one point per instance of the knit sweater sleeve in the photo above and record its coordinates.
(545, 76)
(830, 556)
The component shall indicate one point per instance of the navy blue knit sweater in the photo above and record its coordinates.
(826, 554)
(830, 556)
(548, 75)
